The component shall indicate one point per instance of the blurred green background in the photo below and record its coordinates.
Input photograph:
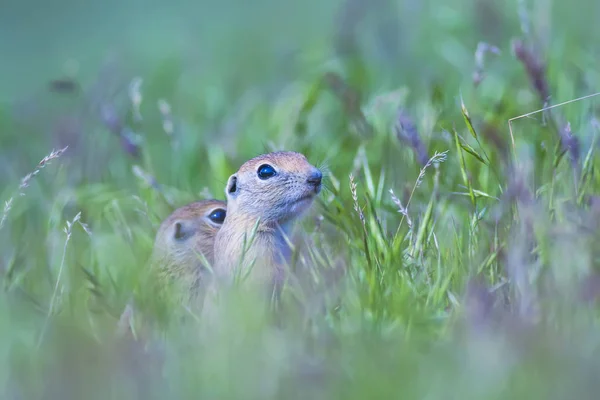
(484, 287)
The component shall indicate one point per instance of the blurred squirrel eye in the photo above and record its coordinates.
(217, 216)
(265, 171)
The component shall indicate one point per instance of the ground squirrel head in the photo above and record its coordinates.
(189, 230)
(275, 187)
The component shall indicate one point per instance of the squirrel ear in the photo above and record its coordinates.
(180, 231)
(232, 188)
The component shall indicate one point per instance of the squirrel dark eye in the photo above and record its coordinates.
(265, 171)
(217, 216)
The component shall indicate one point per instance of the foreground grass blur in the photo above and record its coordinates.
(441, 261)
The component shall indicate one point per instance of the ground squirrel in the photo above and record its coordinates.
(183, 242)
(183, 238)
(265, 196)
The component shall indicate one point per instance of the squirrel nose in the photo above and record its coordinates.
(315, 178)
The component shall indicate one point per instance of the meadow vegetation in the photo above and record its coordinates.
(450, 255)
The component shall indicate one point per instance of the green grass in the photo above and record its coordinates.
(438, 262)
